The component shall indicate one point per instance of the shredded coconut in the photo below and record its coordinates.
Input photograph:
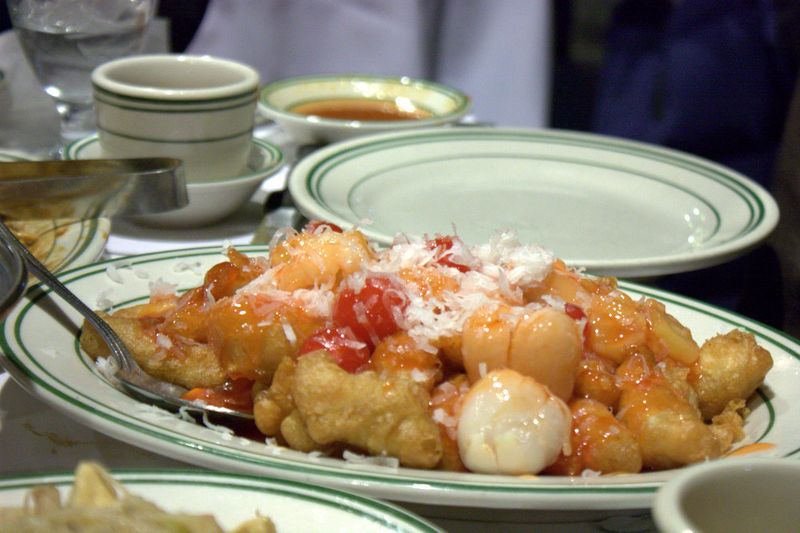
(163, 341)
(113, 274)
(185, 414)
(377, 460)
(225, 432)
(419, 376)
(108, 368)
(103, 300)
(288, 332)
(160, 287)
(194, 267)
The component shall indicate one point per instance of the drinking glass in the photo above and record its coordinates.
(64, 40)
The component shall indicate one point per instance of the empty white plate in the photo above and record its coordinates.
(612, 206)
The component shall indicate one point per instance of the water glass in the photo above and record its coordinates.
(64, 40)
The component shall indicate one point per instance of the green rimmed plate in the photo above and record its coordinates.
(612, 206)
(61, 244)
(232, 499)
(52, 368)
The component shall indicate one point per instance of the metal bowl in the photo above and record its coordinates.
(13, 278)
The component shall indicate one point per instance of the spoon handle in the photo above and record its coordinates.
(118, 350)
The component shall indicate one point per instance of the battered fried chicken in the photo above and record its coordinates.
(380, 415)
(730, 367)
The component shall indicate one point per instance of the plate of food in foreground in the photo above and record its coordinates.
(192, 501)
(59, 243)
(430, 372)
(613, 206)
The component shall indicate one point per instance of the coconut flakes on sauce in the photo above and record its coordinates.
(503, 266)
(499, 270)
(316, 301)
(521, 264)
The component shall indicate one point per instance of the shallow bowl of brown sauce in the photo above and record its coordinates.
(314, 109)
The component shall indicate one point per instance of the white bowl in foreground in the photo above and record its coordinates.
(736, 495)
(211, 201)
(336, 107)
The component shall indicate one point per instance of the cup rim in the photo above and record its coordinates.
(668, 503)
(101, 78)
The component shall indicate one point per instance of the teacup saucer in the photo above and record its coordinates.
(209, 202)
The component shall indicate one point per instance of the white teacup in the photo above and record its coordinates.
(199, 109)
(734, 495)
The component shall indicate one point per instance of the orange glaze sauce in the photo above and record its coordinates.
(234, 394)
(756, 447)
(359, 109)
(448, 397)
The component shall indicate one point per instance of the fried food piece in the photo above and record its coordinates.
(668, 428)
(192, 365)
(728, 426)
(398, 353)
(595, 380)
(730, 367)
(307, 260)
(295, 432)
(382, 416)
(616, 328)
(190, 318)
(666, 336)
(275, 414)
(599, 442)
(273, 404)
(251, 335)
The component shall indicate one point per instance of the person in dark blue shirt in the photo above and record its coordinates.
(713, 78)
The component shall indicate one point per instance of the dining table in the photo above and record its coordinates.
(36, 437)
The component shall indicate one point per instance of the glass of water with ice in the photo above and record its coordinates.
(64, 40)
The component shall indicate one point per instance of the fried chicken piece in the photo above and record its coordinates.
(730, 367)
(595, 380)
(599, 442)
(382, 416)
(669, 429)
(194, 365)
(251, 335)
(271, 405)
(295, 433)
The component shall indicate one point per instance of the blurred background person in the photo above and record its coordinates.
(713, 78)
(497, 52)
